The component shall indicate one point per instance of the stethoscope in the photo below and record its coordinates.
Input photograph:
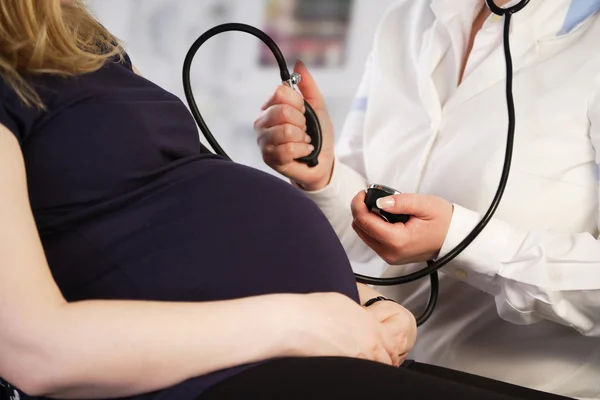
(373, 191)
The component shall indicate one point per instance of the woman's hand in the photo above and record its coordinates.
(419, 239)
(399, 323)
(397, 320)
(331, 324)
(281, 129)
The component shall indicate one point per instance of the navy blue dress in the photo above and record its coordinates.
(130, 205)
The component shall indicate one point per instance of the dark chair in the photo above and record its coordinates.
(7, 392)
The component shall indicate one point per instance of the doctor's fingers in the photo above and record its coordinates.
(281, 134)
(280, 114)
(383, 232)
(285, 95)
(285, 154)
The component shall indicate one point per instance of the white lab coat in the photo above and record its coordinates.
(522, 303)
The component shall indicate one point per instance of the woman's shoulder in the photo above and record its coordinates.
(7, 91)
(123, 59)
(13, 111)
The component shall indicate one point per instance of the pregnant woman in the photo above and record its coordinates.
(136, 264)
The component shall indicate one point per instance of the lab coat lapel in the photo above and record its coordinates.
(432, 52)
(445, 35)
(493, 70)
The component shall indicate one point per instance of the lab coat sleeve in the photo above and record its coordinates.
(349, 177)
(533, 275)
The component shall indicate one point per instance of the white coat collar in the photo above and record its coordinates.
(540, 20)
(467, 10)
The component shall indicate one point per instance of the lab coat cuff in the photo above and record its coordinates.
(480, 263)
(345, 183)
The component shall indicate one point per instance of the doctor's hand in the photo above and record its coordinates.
(419, 239)
(281, 129)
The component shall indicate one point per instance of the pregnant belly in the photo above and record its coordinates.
(222, 231)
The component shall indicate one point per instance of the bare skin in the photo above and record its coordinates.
(477, 24)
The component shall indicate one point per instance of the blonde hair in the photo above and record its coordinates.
(44, 37)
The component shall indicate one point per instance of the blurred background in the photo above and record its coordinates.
(234, 73)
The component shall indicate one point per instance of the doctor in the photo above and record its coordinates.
(522, 303)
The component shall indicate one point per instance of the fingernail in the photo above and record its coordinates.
(385, 202)
(307, 139)
(303, 110)
(311, 147)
